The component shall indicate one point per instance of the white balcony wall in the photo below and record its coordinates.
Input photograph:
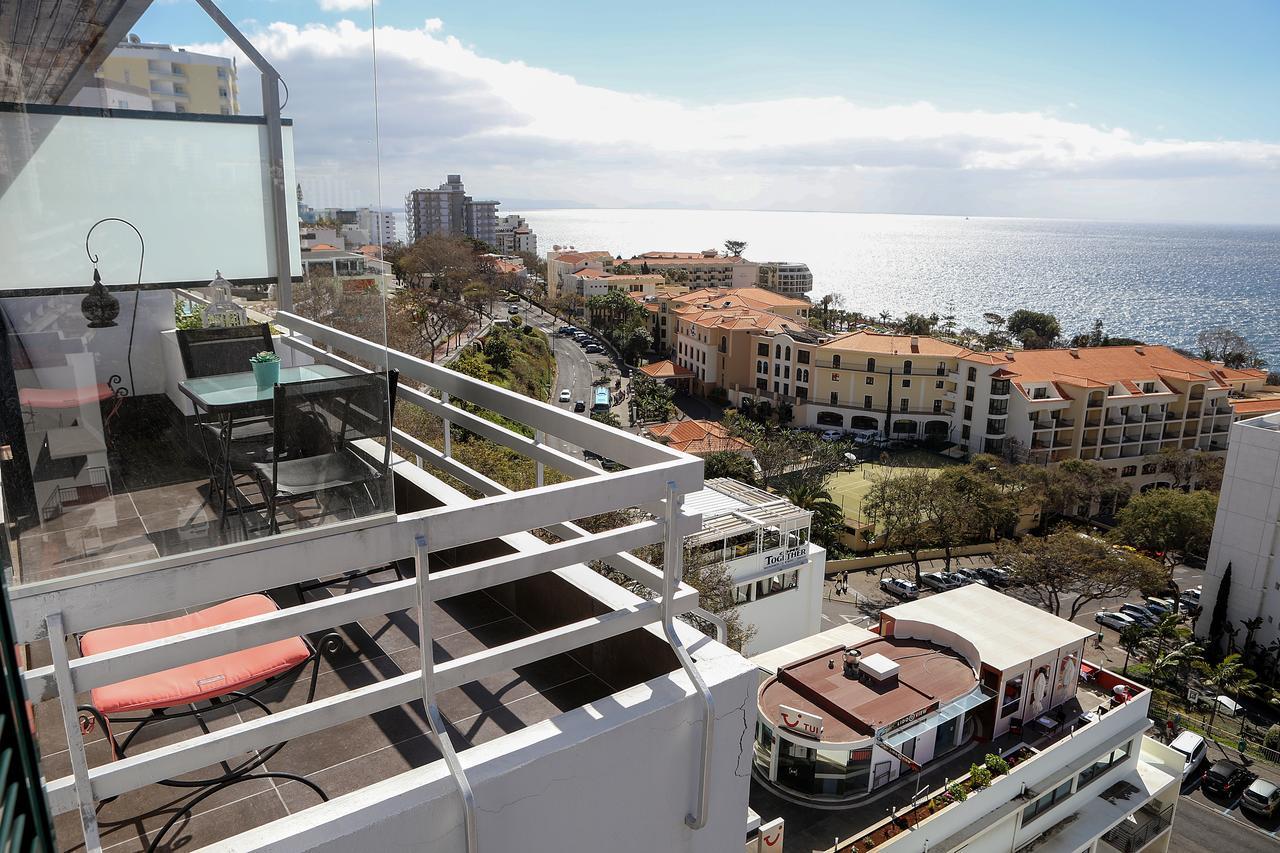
(787, 616)
(65, 172)
(618, 775)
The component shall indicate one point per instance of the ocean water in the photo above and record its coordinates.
(1160, 283)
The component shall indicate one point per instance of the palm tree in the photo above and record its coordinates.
(827, 515)
(885, 317)
(1164, 630)
(1174, 664)
(1251, 627)
(1231, 678)
(1131, 640)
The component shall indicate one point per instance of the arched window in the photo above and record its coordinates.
(871, 365)
(906, 367)
(835, 361)
(788, 356)
(724, 344)
(777, 350)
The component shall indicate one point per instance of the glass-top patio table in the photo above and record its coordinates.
(232, 391)
(237, 395)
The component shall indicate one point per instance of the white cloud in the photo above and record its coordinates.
(345, 5)
(517, 130)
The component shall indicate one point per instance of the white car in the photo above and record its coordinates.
(832, 434)
(565, 396)
(1193, 747)
(899, 588)
(1118, 621)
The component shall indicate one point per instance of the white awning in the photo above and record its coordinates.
(949, 711)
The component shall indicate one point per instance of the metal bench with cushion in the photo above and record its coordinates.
(219, 681)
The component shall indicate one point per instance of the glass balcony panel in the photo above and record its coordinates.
(110, 461)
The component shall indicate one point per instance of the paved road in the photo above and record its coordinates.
(1201, 825)
(574, 369)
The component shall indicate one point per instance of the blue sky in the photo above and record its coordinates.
(1112, 110)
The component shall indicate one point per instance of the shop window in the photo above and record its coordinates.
(742, 593)
(1012, 696)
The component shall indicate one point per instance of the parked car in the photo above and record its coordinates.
(1193, 747)
(1261, 798)
(1225, 779)
(971, 576)
(941, 581)
(592, 348)
(580, 406)
(994, 576)
(899, 588)
(1118, 621)
(832, 434)
(565, 396)
(1160, 607)
(1190, 597)
(1138, 614)
(513, 309)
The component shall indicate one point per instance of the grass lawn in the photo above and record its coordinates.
(849, 487)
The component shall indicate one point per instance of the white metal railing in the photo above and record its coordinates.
(657, 480)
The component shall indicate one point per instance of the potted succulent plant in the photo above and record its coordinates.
(266, 368)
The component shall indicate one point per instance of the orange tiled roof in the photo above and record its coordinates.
(681, 258)
(1102, 366)
(322, 247)
(751, 297)
(1259, 406)
(578, 257)
(665, 369)
(699, 436)
(897, 345)
(738, 318)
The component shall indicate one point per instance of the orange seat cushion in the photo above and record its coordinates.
(62, 398)
(195, 681)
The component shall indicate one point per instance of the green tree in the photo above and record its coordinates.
(1070, 569)
(1080, 488)
(964, 505)
(918, 324)
(895, 504)
(1167, 522)
(1189, 467)
(1131, 639)
(1036, 329)
(652, 399)
(828, 518)
(1229, 347)
(725, 463)
(734, 248)
(1231, 677)
(607, 418)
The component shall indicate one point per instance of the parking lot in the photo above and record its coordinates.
(866, 599)
(1208, 823)
(1203, 823)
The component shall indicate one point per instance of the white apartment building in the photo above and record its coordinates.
(380, 225)
(452, 662)
(785, 277)
(563, 263)
(763, 541)
(1246, 531)
(514, 236)
(845, 713)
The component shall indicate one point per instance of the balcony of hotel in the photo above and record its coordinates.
(405, 603)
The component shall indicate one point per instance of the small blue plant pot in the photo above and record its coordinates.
(266, 373)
